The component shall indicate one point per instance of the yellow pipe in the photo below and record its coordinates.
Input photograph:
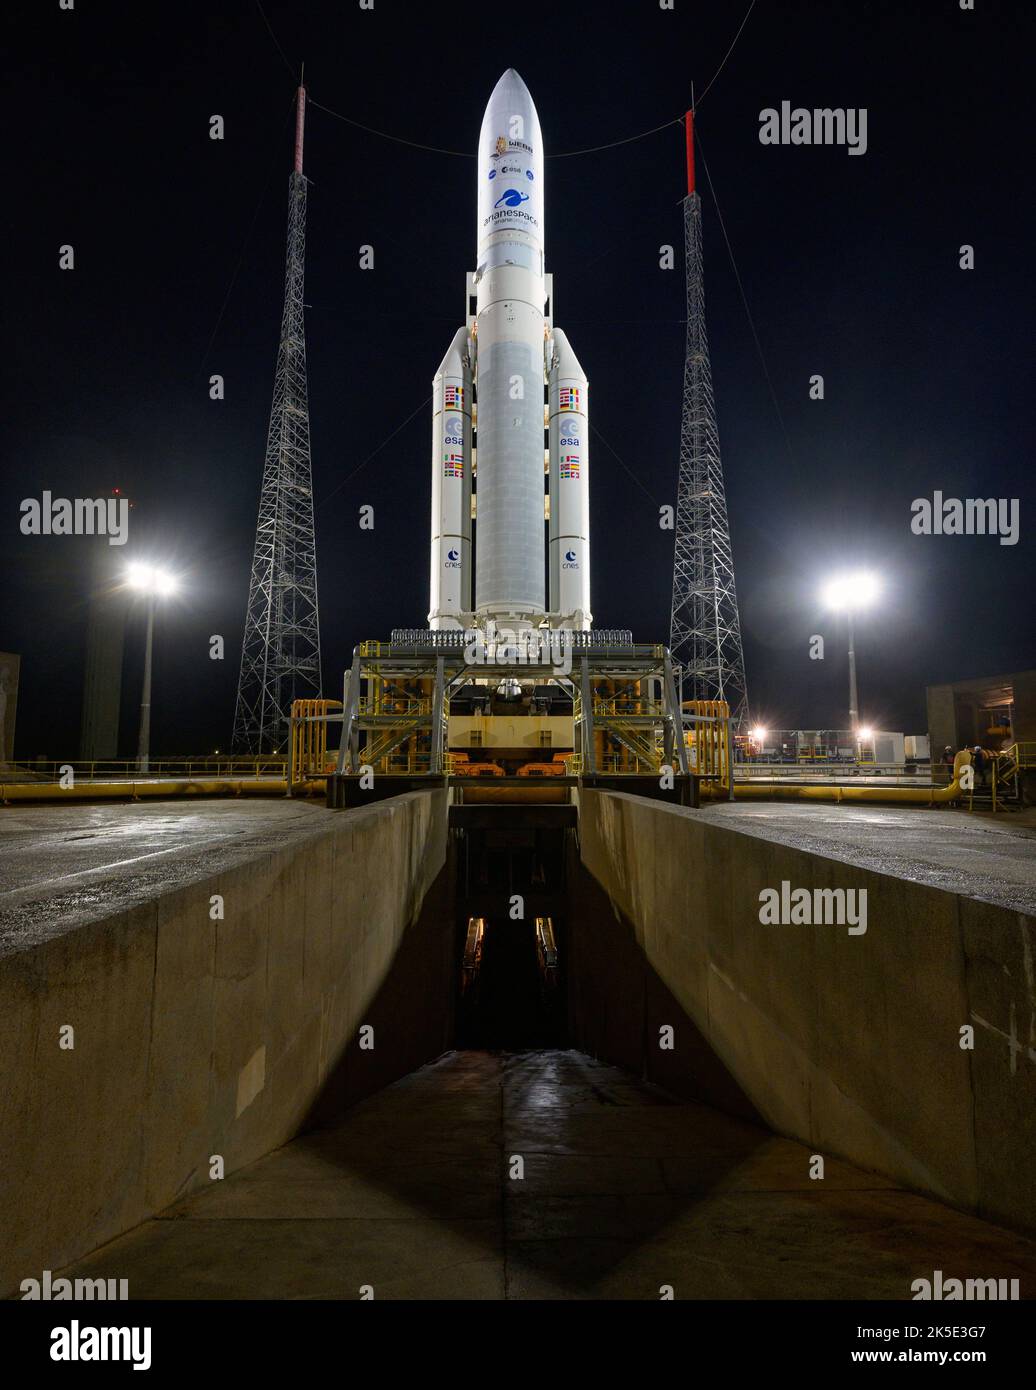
(106, 791)
(911, 796)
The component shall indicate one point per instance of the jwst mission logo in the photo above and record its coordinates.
(504, 146)
(512, 198)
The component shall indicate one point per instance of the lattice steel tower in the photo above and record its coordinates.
(280, 656)
(705, 631)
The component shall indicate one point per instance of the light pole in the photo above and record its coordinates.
(758, 737)
(154, 584)
(848, 594)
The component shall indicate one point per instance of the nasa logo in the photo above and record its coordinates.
(528, 173)
(492, 173)
(512, 198)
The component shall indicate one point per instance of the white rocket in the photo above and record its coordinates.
(530, 424)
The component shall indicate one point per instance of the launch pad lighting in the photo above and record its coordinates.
(759, 734)
(152, 580)
(850, 592)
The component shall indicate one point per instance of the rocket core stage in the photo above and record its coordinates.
(506, 354)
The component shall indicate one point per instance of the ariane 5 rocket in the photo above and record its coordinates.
(510, 448)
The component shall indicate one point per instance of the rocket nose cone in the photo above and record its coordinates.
(511, 88)
(510, 159)
(512, 77)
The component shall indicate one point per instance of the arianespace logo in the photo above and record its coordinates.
(453, 559)
(512, 198)
(510, 215)
(571, 563)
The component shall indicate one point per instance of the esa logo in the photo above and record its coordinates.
(454, 432)
(570, 562)
(453, 560)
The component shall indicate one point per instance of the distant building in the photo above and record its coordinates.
(105, 638)
(9, 669)
(994, 711)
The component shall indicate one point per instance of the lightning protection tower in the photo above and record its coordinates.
(705, 631)
(280, 656)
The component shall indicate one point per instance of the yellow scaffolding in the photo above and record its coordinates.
(309, 756)
(708, 742)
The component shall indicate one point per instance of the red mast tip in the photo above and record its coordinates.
(300, 128)
(689, 123)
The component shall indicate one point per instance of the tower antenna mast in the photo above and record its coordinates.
(280, 653)
(705, 629)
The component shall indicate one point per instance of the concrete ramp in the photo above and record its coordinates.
(149, 1030)
(850, 1043)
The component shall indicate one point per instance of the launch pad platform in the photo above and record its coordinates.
(521, 717)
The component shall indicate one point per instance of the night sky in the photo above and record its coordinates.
(849, 267)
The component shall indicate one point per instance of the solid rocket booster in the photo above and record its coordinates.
(504, 362)
(451, 486)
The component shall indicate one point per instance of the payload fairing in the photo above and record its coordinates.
(493, 430)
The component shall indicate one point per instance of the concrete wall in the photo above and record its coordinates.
(849, 1044)
(196, 1037)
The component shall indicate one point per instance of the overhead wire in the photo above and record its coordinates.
(726, 55)
(273, 36)
(248, 235)
(374, 452)
(744, 299)
(622, 464)
(560, 154)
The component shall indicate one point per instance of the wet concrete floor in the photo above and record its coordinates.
(64, 866)
(979, 856)
(622, 1189)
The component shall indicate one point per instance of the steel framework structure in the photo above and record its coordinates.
(705, 630)
(280, 655)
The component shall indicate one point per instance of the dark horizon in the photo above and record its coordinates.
(849, 266)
